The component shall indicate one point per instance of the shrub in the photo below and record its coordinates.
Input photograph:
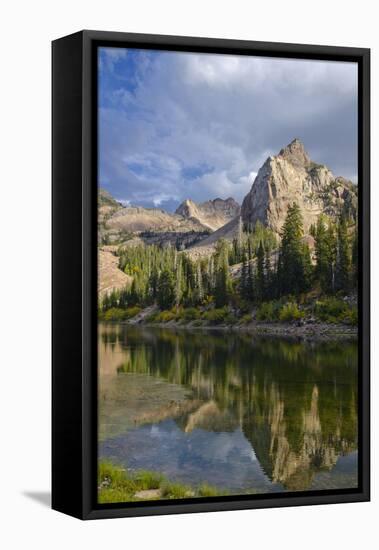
(132, 312)
(351, 316)
(335, 310)
(230, 318)
(216, 316)
(290, 312)
(268, 311)
(190, 314)
(165, 316)
(114, 314)
(245, 319)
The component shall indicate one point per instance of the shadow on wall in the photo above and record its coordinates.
(41, 497)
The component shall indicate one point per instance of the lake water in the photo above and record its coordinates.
(245, 414)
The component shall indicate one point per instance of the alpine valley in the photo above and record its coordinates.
(285, 259)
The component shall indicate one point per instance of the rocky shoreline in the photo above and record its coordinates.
(287, 330)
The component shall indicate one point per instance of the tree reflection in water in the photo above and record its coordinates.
(295, 402)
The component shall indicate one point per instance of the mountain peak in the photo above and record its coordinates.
(291, 177)
(295, 153)
(212, 213)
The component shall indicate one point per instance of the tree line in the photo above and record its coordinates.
(267, 269)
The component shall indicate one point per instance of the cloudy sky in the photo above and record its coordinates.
(184, 125)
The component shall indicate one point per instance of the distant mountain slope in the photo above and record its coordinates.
(110, 276)
(290, 177)
(137, 219)
(212, 214)
(118, 223)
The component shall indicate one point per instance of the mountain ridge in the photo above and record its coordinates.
(213, 213)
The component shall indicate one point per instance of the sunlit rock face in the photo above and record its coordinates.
(291, 177)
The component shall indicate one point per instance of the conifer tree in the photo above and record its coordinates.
(260, 277)
(244, 281)
(222, 286)
(153, 283)
(178, 282)
(268, 277)
(199, 284)
(292, 265)
(354, 257)
(166, 290)
(322, 251)
(343, 264)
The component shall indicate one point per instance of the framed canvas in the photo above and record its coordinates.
(210, 274)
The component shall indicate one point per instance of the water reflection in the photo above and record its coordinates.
(240, 412)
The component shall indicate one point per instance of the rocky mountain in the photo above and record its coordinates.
(289, 177)
(137, 219)
(118, 223)
(212, 214)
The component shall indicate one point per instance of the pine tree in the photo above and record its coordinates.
(343, 264)
(166, 290)
(178, 282)
(307, 268)
(106, 303)
(123, 298)
(153, 283)
(134, 297)
(292, 265)
(268, 294)
(354, 257)
(260, 284)
(244, 281)
(250, 282)
(240, 239)
(222, 286)
(113, 299)
(199, 284)
(322, 251)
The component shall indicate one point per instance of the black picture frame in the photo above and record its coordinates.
(74, 273)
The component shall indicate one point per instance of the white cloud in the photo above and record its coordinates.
(225, 112)
(111, 56)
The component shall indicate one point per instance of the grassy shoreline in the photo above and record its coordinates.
(116, 484)
(313, 317)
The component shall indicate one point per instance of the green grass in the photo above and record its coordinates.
(176, 490)
(115, 484)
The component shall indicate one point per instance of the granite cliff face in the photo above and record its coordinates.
(290, 177)
(212, 214)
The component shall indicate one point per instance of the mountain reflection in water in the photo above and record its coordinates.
(243, 413)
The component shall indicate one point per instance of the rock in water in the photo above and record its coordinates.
(290, 177)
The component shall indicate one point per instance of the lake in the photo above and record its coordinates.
(243, 413)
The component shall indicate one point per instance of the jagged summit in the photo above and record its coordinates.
(295, 153)
(213, 213)
(289, 177)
